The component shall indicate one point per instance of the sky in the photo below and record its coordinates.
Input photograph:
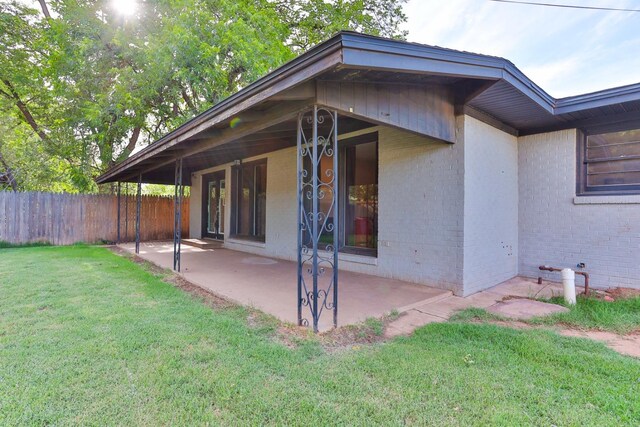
(565, 51)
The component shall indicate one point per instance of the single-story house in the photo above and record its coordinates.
(407, 161)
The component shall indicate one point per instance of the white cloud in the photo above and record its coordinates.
(565, 51)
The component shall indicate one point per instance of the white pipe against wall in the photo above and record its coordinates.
(569, 284)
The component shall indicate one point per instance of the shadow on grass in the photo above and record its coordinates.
(7, 245)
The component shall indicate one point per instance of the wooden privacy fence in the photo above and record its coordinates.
(63, 219)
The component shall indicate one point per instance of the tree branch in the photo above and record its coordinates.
(133, 140)
(45, 8)
(31, 121)
(9, 173)
(6, 94)
(26, 114)
(187, 100)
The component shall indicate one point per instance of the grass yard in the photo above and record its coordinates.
(88, 337)
(621, 316)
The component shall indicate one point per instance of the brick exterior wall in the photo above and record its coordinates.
(559, 230)
(490, 206)
(469, 215)
(420, 210)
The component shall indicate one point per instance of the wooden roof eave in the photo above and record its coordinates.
(281, 113)
(352, 50)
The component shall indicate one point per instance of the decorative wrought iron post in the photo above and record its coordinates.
(138, 203)
(177, 214)
(318, 238)
(118, 233)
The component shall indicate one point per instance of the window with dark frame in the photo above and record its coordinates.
(248, 210)
(609, 162)
(358, 193)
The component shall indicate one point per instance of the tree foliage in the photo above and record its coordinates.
(83, 86)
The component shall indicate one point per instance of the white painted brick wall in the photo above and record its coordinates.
(476, 212)
(490, 206)
(281, 214)
(420, 210)
(557, 232)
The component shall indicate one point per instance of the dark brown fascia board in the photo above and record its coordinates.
(597, 99)
(621, 120)
(395, 55)
(271, 117)
(399, 56)
(364, 51)
(412, 58)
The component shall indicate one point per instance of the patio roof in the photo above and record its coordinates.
(261, 117)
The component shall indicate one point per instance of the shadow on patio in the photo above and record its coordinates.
(270, 284)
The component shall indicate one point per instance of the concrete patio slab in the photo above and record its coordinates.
(446, 307)
(443, 309)
(520, 287)
(529, 288)
(203, 243)
(270, 284)
(524, 309)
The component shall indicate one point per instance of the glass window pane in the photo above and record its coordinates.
(211, 228)
(614, 150)
(361, 204)
(244, 200)
(260, 200)
(613, 159)
(613, 166)
(325, 174)
(221, 205)
(613, 138)
(250, 195)
(614, 178)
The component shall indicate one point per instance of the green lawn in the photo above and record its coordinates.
(621, 316)
(87, 337)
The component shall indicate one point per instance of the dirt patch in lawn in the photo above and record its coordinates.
(628, 345)
(623, 293)
(350, 336)
(614, 294)
(211, 299)
(623, 344)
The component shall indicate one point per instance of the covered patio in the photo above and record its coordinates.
(270, 284)
(290, 166)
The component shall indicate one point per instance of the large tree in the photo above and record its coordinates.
(82, 85)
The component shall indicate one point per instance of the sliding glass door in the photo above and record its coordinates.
(213, 205)
(249, 200)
